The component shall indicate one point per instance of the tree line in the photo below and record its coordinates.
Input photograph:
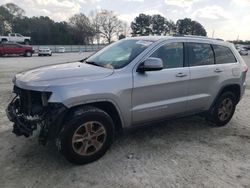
(99, 27)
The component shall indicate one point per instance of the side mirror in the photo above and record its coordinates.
(150, 64)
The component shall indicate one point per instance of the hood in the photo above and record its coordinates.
(61, 74)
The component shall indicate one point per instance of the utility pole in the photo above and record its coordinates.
(213, 34)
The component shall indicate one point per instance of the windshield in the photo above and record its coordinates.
(119, 54)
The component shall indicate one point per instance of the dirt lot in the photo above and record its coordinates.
(186, 152)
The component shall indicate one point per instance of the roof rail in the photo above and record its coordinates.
(196, 36)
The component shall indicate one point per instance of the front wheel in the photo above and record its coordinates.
(87, 136)
(223, 110)
(28, 54)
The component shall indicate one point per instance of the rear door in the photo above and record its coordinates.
(163, 93)
(13, 49)
(8, 48)
(205, 76)
(227, 62)
(19, 38)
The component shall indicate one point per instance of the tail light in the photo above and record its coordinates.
(245, 69)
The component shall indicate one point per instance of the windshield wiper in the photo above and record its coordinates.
(83, 60)
(93, 63)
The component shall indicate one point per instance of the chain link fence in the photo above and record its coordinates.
(70, 48)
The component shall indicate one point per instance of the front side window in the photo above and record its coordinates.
(119, 54)
(171, 55)
(200, 54)
(223, 55)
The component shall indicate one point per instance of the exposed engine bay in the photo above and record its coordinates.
(31, 109)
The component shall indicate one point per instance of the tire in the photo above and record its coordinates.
(223, 109)
(79, 140)
(28, 54)
(26, 42)
(4, 40)
(50, 54)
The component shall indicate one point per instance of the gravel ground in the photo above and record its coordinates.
(186, 152)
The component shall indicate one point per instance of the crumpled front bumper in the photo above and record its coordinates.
(24, 125)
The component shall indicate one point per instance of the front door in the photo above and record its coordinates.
(163, 93)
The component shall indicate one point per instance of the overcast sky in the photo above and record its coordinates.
(228, 18)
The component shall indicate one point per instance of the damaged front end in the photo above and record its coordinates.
(29, 110)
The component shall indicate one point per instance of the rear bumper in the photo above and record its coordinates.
(44, 53)
(243, 89)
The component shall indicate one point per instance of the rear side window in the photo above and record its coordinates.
(200, 54)
(170, 54)
(9, 45)
(223, 55)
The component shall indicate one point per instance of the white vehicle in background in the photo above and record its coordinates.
(15, 37)
(61, 50)
(45, 51)
(243, 51)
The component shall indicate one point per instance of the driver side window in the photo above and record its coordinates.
(171, 55)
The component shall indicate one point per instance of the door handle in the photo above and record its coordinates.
(218, 70)
(180, 74)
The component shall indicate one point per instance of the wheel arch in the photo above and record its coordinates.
(106, 105)
(234, 88)
(26, 40)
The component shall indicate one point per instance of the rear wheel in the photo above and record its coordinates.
(87, 136)
(223, 110)
(4, 40)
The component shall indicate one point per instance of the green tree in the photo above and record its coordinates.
(188, 27)
(81, 28)
(141, 25)
(14, 10)
(171, 27)
(159, 25)
(5, 20)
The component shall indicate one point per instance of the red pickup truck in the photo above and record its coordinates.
(14, 48)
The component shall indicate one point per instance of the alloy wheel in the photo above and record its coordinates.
(225, 109)
(89, 138)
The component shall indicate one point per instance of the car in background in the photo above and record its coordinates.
(15, 37)
(247, 47)
(242, 51)
(45, 51)
(15, 48)
(61, 50)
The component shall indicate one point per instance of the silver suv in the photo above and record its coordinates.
(131, 82)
